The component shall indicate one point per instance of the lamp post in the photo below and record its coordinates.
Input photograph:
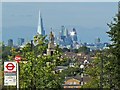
(82, 66)
(86, 62)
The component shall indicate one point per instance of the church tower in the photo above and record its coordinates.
(51, 46)
(40, 29)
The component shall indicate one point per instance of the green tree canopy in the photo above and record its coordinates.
(114, 50)
(37, 68)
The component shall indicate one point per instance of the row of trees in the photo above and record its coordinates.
(37, 68)
(105, 69)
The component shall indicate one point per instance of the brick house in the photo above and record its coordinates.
(75, 82)
(72, 83)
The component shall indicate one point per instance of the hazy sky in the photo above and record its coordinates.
(59, 0)
(90, 19)
(0, 22)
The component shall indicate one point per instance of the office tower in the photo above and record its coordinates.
(10, 42)
(20, 41)
(40, 29)
(73, 35)
(97, 40)
(64, 31)
(62, 36)
(68, 40)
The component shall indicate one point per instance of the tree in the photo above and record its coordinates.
(114, 50)
(83, 49)
(5, 52)
(38, 72)
(93, 70)
(98, 71)
(111, 60)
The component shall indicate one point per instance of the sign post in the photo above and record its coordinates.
(17, 59)
(9, 73)
(17, 76)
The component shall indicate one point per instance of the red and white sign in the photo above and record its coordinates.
(17, 58)
(9, 67)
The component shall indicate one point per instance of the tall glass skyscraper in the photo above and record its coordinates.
(20, 41)
(66, 39)
(40, 29)
(74, 35)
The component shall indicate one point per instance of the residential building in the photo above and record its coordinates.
(75, 81)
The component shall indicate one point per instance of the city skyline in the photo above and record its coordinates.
(86, 21)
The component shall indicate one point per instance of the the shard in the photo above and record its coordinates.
(40, 29)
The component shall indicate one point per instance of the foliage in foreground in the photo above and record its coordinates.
(38, 71)
(105, 70)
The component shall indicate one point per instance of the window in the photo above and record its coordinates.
(75, 87)
(51, 53)
(74, 83)
(70, 83)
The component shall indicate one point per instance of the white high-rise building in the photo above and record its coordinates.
(40, 29)
(73, 35)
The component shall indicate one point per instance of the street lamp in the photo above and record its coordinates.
(82, 66)
(86, 62)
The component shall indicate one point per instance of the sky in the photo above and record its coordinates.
(20, 20)
(59, 0)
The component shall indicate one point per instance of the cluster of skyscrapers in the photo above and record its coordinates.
(20, 42)
(66, 39)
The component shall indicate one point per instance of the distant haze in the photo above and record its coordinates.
(20, 20)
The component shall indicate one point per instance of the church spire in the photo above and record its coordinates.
(40, 29)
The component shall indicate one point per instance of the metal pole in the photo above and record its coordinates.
(2, 79)
(17, 76)
(82, 77)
